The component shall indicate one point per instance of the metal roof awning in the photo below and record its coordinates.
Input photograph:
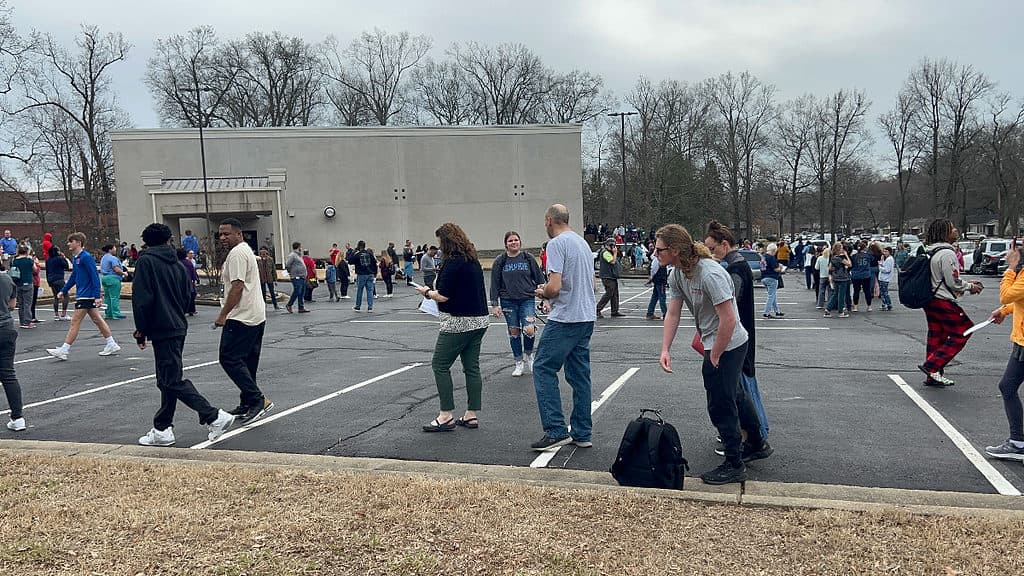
(214, 184)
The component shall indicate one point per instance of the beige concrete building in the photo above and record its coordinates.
(325, 185)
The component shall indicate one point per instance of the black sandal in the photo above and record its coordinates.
(470, 423)
(436, 426)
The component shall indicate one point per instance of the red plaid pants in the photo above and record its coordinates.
(947, 322)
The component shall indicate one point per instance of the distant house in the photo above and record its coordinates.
(34, 213)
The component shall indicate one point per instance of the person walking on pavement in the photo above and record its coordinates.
(21, 272)
(565, 340)
(111, 275)
(1011, 296)
(160, 299)
(296, 269)
(366, 272)
(721, 241)
(86, 280)
(268, 276)
(610, 270)
(515, 276)
(659, 284)
(706, 288)
(947, 321)
(243, 319)
(8, 345)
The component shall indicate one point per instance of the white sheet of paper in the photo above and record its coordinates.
(430, 307)
(977, 327)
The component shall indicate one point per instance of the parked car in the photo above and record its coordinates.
(993, 256)
(754, 261)
(974, 236)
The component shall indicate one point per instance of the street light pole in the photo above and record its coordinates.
(622, 147)
(211, 245)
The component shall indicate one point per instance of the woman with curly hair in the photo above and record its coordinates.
(706, 288)
(462, 302)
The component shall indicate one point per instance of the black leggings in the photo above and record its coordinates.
(56, 287)
(1009, 388)
(858, 284)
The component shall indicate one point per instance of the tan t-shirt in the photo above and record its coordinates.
(241, 264)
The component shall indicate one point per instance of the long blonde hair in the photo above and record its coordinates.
(677, 238)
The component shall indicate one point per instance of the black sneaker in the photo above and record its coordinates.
(549, 442)
(726, 473)
(756, 451)
(256, 412)
(239, 410)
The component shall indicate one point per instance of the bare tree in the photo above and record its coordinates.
(843, 114)
(1004, 135)
(443, 91)
(375, 66)
(282, 77)
(966, 88)
(928, 83)
(180, 65)
(510, 82)
(794, 128)
(899, 126)
(574, 97)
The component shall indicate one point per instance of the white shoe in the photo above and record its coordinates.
(58, 353)
(158, 438)
(110, 349)
(529, 362)
(346, 297)
(16, 425)
(66, 318)
(518, 370)
(219, 426)
(58, 318)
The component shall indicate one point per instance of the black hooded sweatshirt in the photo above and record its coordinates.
(160, 294)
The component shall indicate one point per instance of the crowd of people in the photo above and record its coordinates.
(711, 278)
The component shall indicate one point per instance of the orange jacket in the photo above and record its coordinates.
(1011, 295)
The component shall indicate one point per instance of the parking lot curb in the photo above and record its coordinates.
(769, 494)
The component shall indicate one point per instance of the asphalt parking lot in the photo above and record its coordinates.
(843, 396)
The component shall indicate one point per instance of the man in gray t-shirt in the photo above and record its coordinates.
(709, 287)
(566, 337)
(8, 343)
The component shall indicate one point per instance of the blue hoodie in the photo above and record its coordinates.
(85, 276)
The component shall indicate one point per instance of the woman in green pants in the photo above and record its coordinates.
(462, 303)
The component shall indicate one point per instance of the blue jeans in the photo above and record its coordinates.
(771, 305)
(407, 270)
(298, 293)
(883, 293)
(657, 296)
(750, 387)
(518, 315)
(564, 344)
(364, 281)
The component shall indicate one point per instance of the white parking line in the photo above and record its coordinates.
(33, 359)
(759, 328)
(545, 457)
(997, 480)
(314, 402)
(106, 387)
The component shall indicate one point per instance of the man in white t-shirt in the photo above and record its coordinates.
(243, 317)
(566, 337)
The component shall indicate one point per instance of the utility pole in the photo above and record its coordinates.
(211, 247)
(622, 146)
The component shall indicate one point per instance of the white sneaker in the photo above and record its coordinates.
(158, 438)
(58, 318)
(518, 370)
(219, 426)
(66, 318)
(16, 425)
(110, 349)
(58, 353)
(529, 362)
(346, 297)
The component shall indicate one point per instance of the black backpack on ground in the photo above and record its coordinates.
(650, 455)
(915, 277)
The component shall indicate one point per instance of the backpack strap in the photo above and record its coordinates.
(654, 431)
(931, 254)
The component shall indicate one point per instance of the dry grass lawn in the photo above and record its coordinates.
(61, 515)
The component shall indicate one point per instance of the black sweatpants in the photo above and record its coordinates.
(240, 347)
(865, 285)
(167, 353)
(1009, 387)
(729, 407)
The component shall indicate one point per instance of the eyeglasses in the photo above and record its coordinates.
(658, 250)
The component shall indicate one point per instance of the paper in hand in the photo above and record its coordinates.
(430, 307)
(977, 327)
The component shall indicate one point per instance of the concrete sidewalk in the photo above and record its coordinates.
(851, 498)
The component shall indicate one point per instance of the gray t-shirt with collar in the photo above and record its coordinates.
(709, 287)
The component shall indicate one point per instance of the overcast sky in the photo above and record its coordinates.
(798, 45)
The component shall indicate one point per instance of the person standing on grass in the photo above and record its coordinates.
(56, 267)
(296, 269)
(1011, 296)
(947, 321)
(111, 275)
(268, 276)
(8, 344)
(515, 276)
(21, 272)
(706, 288)
(566, 338)
(462, 303)
(86, 280)
(160, 299)
(243, 319)
(721, 241)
